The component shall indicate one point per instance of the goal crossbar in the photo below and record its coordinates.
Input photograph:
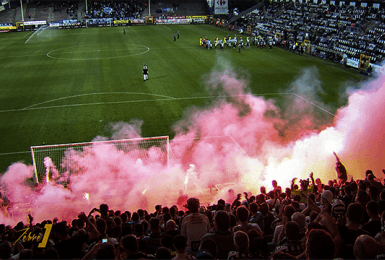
(48, 158)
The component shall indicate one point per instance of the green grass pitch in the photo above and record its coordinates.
(65, 86)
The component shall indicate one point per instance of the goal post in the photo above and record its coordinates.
(56, 161)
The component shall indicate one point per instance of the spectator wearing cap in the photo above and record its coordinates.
(365, 247)
(374, 224)
(339, 211)
(194, 226)
(326, 202)
(222, 235)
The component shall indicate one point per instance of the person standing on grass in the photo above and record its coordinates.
(174, 37)
(145, 72)
(177, 34)
(124, 30)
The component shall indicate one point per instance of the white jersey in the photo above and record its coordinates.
(194, 227)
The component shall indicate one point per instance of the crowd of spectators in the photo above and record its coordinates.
(312, 220)
(118, 10)
(333, 30)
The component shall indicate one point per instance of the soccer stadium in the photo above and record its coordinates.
(182, 129)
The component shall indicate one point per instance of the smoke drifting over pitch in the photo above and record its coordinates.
(239, 138)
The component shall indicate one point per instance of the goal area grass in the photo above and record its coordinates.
(67, 85)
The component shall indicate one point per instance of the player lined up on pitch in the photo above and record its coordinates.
(237, 43)
(145, 72)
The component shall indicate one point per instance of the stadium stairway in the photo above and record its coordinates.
(258, 5)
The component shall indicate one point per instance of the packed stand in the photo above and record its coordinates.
(312, 220)
(335, 32)
(118, 10)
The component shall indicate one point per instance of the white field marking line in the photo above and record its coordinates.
(91, 94)
(12, 153)
(308, 101)
(28, 34)
(69, 52)
(167, 27)
(83, 59)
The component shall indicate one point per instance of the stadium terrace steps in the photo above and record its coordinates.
(8, 16)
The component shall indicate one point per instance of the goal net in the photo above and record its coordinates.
(55, 161)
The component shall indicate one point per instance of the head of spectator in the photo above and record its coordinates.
(166, 241)
(5, 250)
(135, 217)
(288, 192)
(338, 209)
(26, 254)
(101, 226)
(292, 231)
(373, 193)
(297, 198)
(354, 214)
(222, 221)
(51, 253)
(372, 209)
(327, 198)
(304, 184)
(170, 225)
(274, 183)
(139, 230)
(103, 208)
(260, 198)
(167, 216)
(262, 189)
(264, 208)
(193, 205)
(319, 245)
(141, 214)
(282, 255)
(126, 229)
(130, 244)
(300, 219)
(241, 240)
(210, 246)
(242, 214)
(233, 221)
(365, 247)
(362, 197)
(253, 208)
(155, 225)
(124, 218)
(288, 211)
(163, 253)
(180, 244)
(105, 251)
(295, 205)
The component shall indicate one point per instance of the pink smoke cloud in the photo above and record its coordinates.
(239, 138)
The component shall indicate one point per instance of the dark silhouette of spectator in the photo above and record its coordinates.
(222, 235)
